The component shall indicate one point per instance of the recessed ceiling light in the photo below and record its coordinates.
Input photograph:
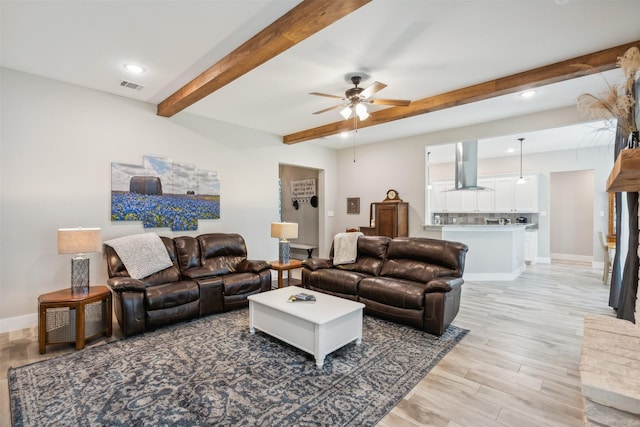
(510, 150)
(134, 68)
(344, 134)
(528, 93)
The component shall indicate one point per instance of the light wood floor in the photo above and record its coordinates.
(519, 365)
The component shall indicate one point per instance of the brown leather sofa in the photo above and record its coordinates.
(410, 280)
(210, 274)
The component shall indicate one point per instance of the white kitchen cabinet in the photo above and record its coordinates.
(504, 196)
(531, 246)
(437, 197)
(504, 201)
(526, 195)
(444, 200)
(469, 201)
(513, 197)
(485, 199)
(453, 199)
(480, 200)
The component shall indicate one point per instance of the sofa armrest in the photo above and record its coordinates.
(444, 284)
(249, 266)
(196, 273)
(314, 264)
(122, 284)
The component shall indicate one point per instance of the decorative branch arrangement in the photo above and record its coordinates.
(618, 102)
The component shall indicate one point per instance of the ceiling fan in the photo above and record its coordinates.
(357, 97)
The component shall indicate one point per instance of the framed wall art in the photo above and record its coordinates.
(353, 205)
(164, 193)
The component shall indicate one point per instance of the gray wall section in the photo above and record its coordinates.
(571, 215)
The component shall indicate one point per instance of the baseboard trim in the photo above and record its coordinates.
(498, 277)
(572, 257)
(19, 322)
(544, 260)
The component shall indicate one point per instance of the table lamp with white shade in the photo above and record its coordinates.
(79, 241)
(284, 231)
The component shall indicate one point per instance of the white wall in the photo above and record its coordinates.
(57, 144)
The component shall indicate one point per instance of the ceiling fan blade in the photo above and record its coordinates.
(371, 89)
(327, 95)
(335, 107)
(397, 102)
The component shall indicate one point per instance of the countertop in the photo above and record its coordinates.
(480, 227)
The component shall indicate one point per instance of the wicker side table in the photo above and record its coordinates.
(67, 318)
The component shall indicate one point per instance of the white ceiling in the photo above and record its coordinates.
(418, 48)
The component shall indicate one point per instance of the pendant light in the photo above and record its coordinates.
(521, 180)
(428, 170)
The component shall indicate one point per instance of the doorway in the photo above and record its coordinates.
(299, 204)
(571, 216)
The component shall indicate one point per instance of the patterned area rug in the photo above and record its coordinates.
(211, 371)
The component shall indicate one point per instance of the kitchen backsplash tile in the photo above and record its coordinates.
(480, 218)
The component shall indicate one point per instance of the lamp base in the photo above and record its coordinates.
(285, 252)
(80, 276)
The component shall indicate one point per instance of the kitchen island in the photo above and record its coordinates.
(496, 252)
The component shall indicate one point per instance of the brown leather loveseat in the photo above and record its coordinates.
(210, 274)
(410, 280)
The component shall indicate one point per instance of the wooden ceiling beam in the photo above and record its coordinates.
(304, 20)
(560, 71)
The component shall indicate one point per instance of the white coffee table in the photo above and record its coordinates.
(317, 328)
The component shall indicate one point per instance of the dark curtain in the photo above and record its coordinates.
(629, 287)
(616, 271)
(624, 284)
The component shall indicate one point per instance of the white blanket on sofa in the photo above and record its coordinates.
(141, 254)
(345, 248)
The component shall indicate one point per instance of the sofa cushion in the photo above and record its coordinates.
(171, 274)
(410, 270)
(371, 253)
(422, 259)
(393, 292)
(221, 253)
(336, 281)
(171, 294)
(240, 283)
(188, 250)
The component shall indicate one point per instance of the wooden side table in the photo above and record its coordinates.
(67, 318)
(280, 268)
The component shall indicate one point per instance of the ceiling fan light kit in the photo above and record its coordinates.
(361, 111)
(357, 97)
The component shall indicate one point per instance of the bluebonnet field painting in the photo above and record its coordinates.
(162, 193)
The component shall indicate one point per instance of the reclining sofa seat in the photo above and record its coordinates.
(413, 281)
(217, 277)
(218, 263)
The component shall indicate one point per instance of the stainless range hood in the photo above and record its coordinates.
(467, 167)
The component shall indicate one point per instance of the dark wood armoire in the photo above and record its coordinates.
(388, 218)
(391, 219)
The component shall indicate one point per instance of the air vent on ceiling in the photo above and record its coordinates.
(131, 85)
